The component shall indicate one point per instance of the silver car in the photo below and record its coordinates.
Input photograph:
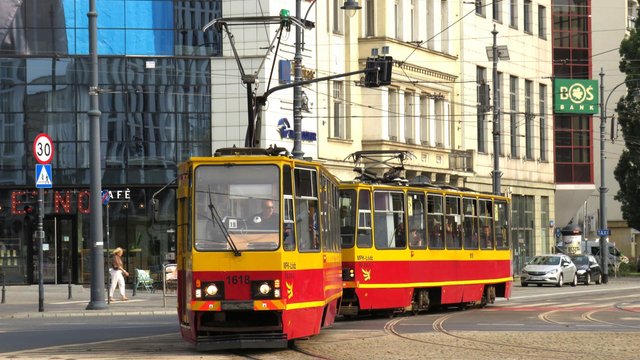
(552, 269)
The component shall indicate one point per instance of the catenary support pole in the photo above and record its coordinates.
(497, 174)
(297, 90)
(604, 249)
(96, 242)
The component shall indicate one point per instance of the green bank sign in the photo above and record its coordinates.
(575, 96)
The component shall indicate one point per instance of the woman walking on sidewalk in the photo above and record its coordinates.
(117, 272)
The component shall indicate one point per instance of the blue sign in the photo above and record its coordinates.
(604, 232)
(105, 196)
(43, 176)
(286, 132)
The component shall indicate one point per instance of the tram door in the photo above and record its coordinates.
(58, 251)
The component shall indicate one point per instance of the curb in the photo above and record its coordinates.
(39, 315)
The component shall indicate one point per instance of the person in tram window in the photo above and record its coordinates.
(268, 218)
(415, 238)
(399, 236)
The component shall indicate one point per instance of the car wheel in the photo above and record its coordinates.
(539, 285)
(575, 280)
(588, 279)
(560, 281)
(524, 284)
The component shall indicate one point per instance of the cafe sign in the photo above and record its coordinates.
(575, 96)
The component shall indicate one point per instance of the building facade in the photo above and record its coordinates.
(155, 91)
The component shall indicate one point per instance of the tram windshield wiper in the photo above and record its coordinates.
(216, 219)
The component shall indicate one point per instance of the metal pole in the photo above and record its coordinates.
(497, 174)
(40, 236)
(107, 264)
(4, 275)
(96, 241)
(297, 90)
(604, 249)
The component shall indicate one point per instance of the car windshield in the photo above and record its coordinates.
(545, 260)
(580, 260)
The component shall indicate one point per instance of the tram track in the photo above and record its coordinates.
(485, 346)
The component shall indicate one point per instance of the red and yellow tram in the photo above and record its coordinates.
(408, 247)
(259, 259)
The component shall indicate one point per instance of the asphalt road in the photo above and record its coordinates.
(535, 322)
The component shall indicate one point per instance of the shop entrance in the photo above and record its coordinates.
(60, 256)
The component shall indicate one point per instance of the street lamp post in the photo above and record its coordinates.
(96, 242)
(603, 227)
(494, 53)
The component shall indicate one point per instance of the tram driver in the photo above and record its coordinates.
(268, 218)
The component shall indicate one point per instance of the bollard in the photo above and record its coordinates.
(135, 281)
(69, 277)
(3, 286)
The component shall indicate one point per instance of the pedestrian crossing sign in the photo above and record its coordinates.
(43, 176)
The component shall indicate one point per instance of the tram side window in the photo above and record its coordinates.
(453, 225)
(364, 219)
(307, 209)
(334, 216)
(435, 219)
(416, 221)
(287, 215)
(486, 224)
(329, 216)
(501, 224)
(388, 220)
(347, 217)
(470, 223)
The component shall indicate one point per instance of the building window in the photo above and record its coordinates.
(409, 117)
(393, 115)
(495, 9)
(542, 113)
(527, 16)
(513, 13)
(571, 35)
(412, 15)
(397, 17)
(522, 230)
(339, 118)
(370, 18)
(542, 22)
(431, 15)
(424, 120)
(545, 247)
(444, 10)
(513, 115)
(528, 116)
(338, 17)
(573, 149)
(481, 119)
(498, 85)
(480, 5)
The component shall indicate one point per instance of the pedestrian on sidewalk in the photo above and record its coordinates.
(118, 273)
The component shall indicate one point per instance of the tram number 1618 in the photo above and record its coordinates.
(238, 279)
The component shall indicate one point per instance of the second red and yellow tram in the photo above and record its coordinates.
(411, 247)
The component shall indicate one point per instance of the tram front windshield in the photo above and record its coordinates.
(237, 205)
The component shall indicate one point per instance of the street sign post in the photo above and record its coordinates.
(43, 149)
(604, 232)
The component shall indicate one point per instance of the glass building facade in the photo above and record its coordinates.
(155, 100)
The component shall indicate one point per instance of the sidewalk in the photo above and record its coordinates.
(22, 301)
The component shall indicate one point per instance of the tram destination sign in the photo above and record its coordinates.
(575, 96)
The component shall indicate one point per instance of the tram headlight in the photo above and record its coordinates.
(265, 289)
(211, 290)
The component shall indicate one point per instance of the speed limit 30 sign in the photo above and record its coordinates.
(43, 148)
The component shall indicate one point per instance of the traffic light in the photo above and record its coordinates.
(30, 214)
(379, 71)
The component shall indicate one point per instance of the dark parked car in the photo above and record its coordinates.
(588, 269)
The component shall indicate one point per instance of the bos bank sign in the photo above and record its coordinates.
(575, 96)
